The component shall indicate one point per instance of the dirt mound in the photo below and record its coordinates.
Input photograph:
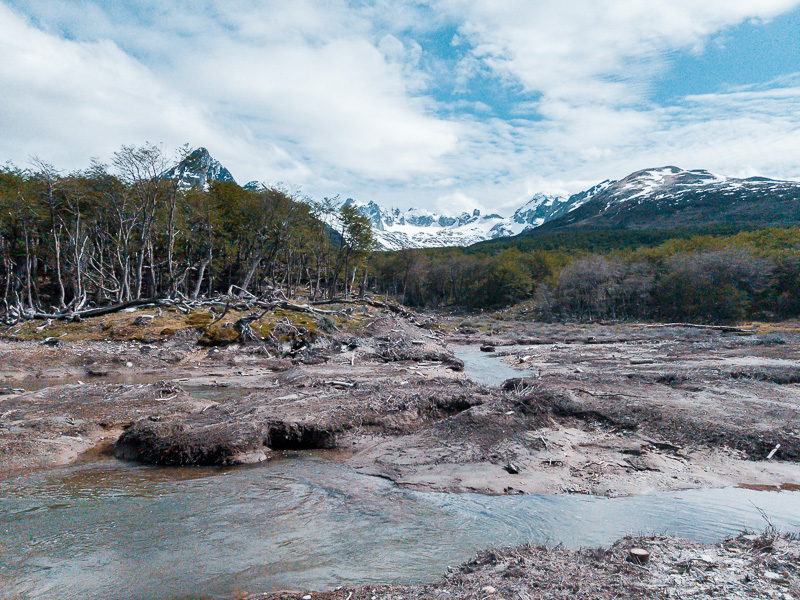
(198, 442)
(180, 443)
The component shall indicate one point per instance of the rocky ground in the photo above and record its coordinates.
(604, 409)
(609, 410)
(743, 568)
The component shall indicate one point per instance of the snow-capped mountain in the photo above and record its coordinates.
(197, 169)
(395, 229)
(662, 198)
(670, 198)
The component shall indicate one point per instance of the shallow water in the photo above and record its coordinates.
(111, 529)
(487, 368)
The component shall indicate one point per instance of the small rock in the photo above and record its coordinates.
(307, 597)
(129, 365)
(511, 468)
(97, 370)
(488, 589)
(772, 575)
(487, 348)
(708, 558)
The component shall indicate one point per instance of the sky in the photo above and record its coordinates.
(448, 105)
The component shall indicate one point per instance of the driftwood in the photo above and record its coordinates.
(94, 312)
(185, 306)
(394, 308)
(226, 303)
(723, 328)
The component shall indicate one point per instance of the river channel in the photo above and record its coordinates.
(108, 529)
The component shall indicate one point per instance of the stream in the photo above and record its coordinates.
(303, 520)
(486, 368)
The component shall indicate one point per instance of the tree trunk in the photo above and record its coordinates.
(250, 272)
(200, 275)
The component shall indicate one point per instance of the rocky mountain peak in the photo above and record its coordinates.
(197, 169)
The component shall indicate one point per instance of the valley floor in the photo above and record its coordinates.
(603, 409)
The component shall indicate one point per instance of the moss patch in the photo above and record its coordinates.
(146, 325)
(151, 325)
(199, 319)
(219, 335)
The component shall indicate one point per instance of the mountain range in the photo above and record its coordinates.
(661, 198)
(395, 229)
(672, 198)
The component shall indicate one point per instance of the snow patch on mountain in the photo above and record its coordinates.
(669, 197)
(197, 169)
(395, 229)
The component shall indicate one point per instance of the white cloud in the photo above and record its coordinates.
(595, 50)
(67, 101)
(342, 103)
(337, 96)
(283, 91)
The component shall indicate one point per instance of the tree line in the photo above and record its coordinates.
(700, 278)
(127, 231)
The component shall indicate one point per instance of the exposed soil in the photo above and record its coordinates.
(612, 410)
(609, 410)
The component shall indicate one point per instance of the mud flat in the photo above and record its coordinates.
(612, 410)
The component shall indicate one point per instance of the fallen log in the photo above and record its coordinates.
(94, 312)
(286, 305)
(723, 328)
(394, 308)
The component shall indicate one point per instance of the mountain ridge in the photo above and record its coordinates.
(198, 168)
(656, 198)
(674, 198)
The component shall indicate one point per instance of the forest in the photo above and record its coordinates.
(609, 275)
(125, 232)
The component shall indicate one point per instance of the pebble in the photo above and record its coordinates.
(488, 589)
(307, 597)
(708, 558)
